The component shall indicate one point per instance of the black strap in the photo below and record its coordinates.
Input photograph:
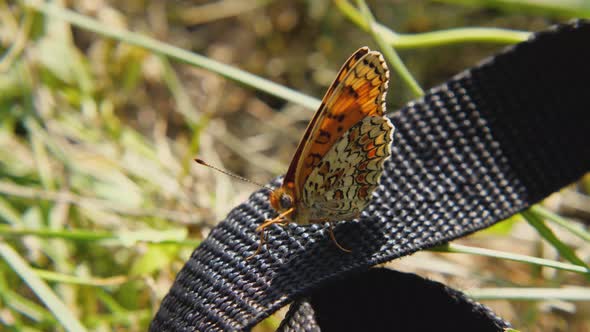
(486, 144)
(385, 300)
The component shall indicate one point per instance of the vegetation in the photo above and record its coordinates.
(103, 107)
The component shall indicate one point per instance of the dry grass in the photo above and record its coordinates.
(100, 199)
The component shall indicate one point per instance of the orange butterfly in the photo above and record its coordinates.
(339, 160)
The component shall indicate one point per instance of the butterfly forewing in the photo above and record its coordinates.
(358, 91)
(294, 171)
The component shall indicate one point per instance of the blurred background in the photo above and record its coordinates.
(100, 199)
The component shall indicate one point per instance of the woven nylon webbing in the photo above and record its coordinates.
(473, 151)
(385, 300)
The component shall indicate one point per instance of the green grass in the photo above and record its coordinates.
(100, 201)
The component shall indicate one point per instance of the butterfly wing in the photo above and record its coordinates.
(358, 92)
(293, 178)
(340, 187)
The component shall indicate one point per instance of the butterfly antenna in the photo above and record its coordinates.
(204, 163)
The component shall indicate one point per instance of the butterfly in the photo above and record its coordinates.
(339, 160)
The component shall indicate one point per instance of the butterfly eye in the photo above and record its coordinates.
(286, 201)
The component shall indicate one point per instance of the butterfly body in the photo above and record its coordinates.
(339, 160)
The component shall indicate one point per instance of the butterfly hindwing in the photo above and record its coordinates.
(340, 187)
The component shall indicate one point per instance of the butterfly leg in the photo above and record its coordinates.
(280, 219)
(336, 242)
(260, 244)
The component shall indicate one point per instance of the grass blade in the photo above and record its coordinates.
(41, 289)
(179, 54)
(563, 249)
(457, 248)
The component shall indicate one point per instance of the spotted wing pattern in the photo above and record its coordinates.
(358, 91)
(341, 185)
(319, 116)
